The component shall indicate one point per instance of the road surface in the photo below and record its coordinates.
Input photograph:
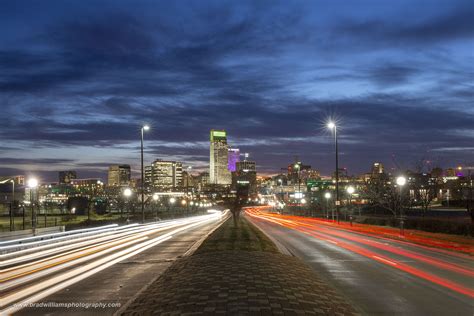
(378, 276)
(95, 272)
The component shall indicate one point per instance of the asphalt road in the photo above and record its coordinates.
(378, 276)
(97, 273)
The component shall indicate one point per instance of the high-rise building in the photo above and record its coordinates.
(219, 158)
(164, 175)
(148, 177)
(245, 177)
(65, 177)
(234, 157)
(119, 175)
(246, 166)
(377, 168)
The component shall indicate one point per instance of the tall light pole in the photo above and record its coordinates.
(143, 129)
(350, 190)
(327, 196)
(155, 199)
(127, 193)
(332, 126)
(401, 181)
(32, 184)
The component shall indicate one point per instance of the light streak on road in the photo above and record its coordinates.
(357, 243)
(44, 269)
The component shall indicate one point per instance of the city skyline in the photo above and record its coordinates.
(76, 88)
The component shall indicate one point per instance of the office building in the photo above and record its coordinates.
(234, 157)
(87, 187)
(377, 168)
(246, 166)
(164, 175)
(245, 176)
(219, 159)
(119, 175)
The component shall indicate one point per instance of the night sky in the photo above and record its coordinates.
(79, 78)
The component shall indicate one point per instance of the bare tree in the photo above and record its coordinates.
(384, 194)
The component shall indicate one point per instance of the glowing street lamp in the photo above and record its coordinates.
(350, 190)
(155, 198)
(172, 200)
(332, 126)
(127, 192)
(144, 128)
(327, 196)
(401, 181)
(32, 183)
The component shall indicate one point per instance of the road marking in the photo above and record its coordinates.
(385, 260)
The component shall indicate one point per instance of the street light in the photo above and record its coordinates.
(32, 184)
(155, 199)
(401, 181)
(350, 190)
(144, 128)
(127, 193)
(332, 126)
(327, 196)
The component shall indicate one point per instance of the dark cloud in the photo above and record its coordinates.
(418, 30)
(270, 73)
(12, 160)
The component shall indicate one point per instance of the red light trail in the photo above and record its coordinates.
(334, 235)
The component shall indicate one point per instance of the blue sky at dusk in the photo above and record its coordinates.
(79, 78)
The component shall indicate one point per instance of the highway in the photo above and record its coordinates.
(50, 268)
(379, 276)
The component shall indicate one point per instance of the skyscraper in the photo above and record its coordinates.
(164, 175)
(377, 168)
(234, 157)
(219, 159)
(119, 175)
(245, 177)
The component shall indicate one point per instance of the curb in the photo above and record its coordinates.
(198, 243)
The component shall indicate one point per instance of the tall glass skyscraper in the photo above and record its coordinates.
(219, 158)
(234, 158)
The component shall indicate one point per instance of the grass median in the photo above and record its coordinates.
(237, 235)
